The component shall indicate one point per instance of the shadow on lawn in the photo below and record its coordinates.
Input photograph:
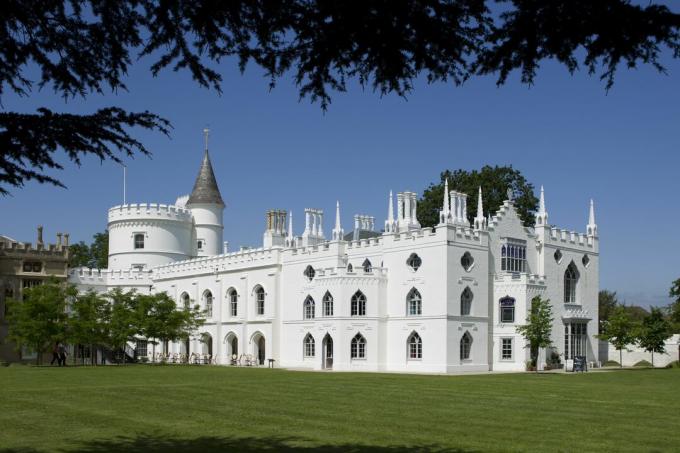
(249, 444)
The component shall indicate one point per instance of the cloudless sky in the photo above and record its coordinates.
(270, 150)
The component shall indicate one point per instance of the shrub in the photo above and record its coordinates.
(4, 363)
(674, 364)
(643, 363)
(612, 363)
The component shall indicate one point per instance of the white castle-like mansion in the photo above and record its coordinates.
(442, 299)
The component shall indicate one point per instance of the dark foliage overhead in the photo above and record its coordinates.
(80, 47)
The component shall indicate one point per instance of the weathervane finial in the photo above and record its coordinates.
(206, 133)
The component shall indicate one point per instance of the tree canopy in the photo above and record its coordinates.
(619, 329)
(653, 332)
(538, 327)
(84, 47)
(95, 255)
(494, 181)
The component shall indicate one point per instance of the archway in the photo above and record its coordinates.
(207, 342)
(232, 347)
(327, 351)
(259, 347)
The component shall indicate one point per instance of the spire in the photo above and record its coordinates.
(447, 209)
(480, 222)
(338, 232)
(205, 187)
(592, 226)
(542, 214)
(389, 223)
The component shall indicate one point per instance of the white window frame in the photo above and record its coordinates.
(503, 349)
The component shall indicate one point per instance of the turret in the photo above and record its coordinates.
(207, 208)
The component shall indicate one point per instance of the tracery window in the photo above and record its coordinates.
(259, 300)
(327, 304)
(465, 346)
(358, 304)
(415, 302)
(208, 301)
(309, 273)
(570, 282)
(414, 261)
(507, 307)
(367, 266)
(358, 347)
(514, 256)
(309, 308)
(415, 347)
(186, 301)
(233, 301)
(466, 301)
(308, 345)
(467, 261)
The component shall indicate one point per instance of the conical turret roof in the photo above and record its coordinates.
(205, 187)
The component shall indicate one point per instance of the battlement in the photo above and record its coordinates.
(131, 277)
(137, 211)
(219, 263)
(40, 249)
(560, 236)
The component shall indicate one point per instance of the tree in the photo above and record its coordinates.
(79, 48)
(674, 308)
(89, 320)
(538, 327)
(123, 324)
(619, 329)
(95, 255)
(654, 331)
(39, 320)
(494, 181)
(159, 319)
(606, 304)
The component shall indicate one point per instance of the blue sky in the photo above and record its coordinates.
(270, 150)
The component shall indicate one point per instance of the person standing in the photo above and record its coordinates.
(55, 354)
(62, 354)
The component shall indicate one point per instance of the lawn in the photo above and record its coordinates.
(187, 408)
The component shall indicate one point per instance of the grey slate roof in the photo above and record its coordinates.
(205, 187)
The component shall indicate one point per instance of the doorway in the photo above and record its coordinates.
(327, 353)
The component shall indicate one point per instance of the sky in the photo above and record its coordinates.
(271, 150)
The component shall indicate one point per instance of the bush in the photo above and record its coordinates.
(674, 364)
(612, 363)
(4, 363)
(643, 363)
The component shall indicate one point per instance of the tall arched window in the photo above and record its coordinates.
(358, 347)
(466, 302)
(308, 308)
(368, 267)
(308, 345)
(259, 300)
(186, 301)
(232, 297)
(415, 346)
(465, 346)
(327, 304)
(414, 302)
(570, 282)
(507, 307)
(208, 303)
(358, 305)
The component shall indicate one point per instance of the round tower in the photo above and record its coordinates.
(145, 235)
(207, 208)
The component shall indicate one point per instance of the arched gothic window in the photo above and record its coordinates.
(466, 302)
(327, 304)
(358, 305)
(570, 282)
(308, 345)
(415, 346)
(309, 273)
(208, 303)
(507, 306)
(232, 296)
(368, 268)
(350, 268)
(186, 301)
(358, 347)
(309, 308)
(259, 300)
(414, 261)
(414, 302)
(465, 346)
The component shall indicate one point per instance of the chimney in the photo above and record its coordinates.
(66, 236)
(58, 240)
(40, 237)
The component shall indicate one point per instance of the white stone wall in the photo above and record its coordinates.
(632, 354)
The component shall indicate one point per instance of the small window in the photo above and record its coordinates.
(585, 260)
(415, 347)
(358, 347)
(368, 268)
(507, 305)
(141, 349)
(350, 268)
(358, 304)
(467, 261)
(466, 302)
(259, 300)
(328, 304)
(232, 295)
(308, 345)
(186, 301)
(30, 283)
(558, 256)
(309, 273)
(208, 303)
(415, 303)
(32, 266)
(414, 262)
(308, 308)
(139, 241)
(506, 348)
(199, 245)
(465, 346)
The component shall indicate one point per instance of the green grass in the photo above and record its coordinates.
(185, 408)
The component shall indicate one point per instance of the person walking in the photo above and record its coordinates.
(62, 354)
(55, 354)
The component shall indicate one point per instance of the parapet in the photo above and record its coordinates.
(104, 277)
(219, 263)
(150, 211)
